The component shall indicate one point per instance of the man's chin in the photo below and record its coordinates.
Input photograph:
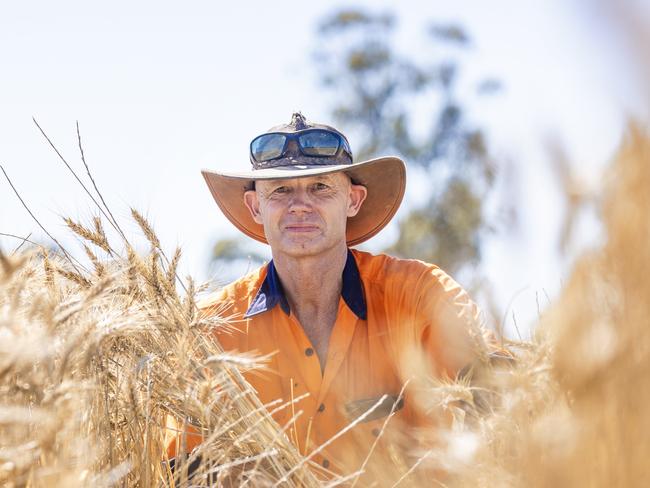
(303, 246)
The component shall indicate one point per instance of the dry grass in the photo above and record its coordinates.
(93, 360)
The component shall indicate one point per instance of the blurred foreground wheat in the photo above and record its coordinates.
(92, 361)
(572, 411)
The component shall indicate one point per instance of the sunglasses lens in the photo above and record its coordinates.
(268, 147)
(319, 143)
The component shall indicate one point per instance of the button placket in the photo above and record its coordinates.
(295, 363)
(342, 333)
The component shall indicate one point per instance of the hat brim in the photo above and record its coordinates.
(384, 178)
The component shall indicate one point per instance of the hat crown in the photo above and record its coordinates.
(299, 121)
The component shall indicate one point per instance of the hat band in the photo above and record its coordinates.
(292, 162)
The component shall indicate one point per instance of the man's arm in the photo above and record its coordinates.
(449, 325)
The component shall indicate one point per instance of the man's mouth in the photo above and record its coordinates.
(301, 227)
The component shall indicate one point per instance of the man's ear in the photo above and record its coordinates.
(358, 194)
(253, 205)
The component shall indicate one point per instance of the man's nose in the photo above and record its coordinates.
(299, 201)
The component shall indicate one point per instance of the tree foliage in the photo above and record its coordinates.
(408, 105)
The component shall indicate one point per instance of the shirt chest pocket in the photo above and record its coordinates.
(370, 409)
(378, 417)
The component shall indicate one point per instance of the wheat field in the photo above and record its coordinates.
(95, 355)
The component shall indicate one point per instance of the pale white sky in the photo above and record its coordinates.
(162, 89)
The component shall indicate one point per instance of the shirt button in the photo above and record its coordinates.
(321, 407)
(326, 463)
(309, 351)
(376, 432)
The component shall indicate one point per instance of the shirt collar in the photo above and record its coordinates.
(271, 292)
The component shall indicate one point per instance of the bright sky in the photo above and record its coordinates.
(162, 89)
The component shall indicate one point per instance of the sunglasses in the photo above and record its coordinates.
(311, 142)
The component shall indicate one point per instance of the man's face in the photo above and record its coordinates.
(305, 216)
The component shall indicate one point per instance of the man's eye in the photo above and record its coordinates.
(281, 190)
(320, 186)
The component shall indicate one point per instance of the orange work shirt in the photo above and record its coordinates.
(390, 310)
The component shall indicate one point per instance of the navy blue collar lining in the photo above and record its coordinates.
(271, 292)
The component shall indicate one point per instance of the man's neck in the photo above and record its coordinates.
(312, 281)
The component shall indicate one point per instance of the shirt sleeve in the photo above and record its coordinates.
(449, 326)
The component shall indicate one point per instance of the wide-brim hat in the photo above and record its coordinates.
(384, 179)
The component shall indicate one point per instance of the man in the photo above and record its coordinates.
(348, 328)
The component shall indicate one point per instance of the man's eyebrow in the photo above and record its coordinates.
(328, 177)
(278, 182)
